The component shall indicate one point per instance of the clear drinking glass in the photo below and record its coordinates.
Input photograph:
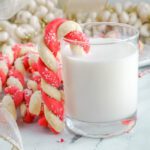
(101, 87)
(10, 138)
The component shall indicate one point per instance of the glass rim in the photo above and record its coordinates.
(129, 38)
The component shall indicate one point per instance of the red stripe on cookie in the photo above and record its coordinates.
(18, 75)
(50, 35)
(2, 76)
(16, 94)
(42, 122)
(48, 75)
(28, 118)
(25, 62)
(11, 90)
(78, 38)
(18, 97)
(57, 107)
(33, 67)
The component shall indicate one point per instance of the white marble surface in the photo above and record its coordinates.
(37, 138)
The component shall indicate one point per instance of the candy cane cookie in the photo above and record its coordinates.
(8, 55)
(35, 103)
(14, 92)
(49, 70)
(27, 117)
(32, 105)
(12, 53)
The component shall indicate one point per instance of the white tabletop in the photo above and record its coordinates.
(37, 138)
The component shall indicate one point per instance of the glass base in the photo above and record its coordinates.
(101, 129)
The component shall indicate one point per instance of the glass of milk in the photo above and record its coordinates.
(101, 87)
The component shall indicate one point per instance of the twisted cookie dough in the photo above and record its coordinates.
(25, 60)
(49, 70)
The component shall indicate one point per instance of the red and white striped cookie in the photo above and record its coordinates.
(48, 67)
(26, 62)
(13, 92)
